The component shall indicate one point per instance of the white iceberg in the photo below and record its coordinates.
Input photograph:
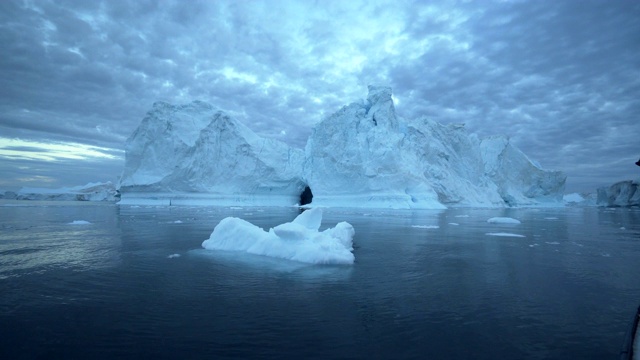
(503, 220)
(504, 234)
(519, 180)
(426, 226)
(79, 222)
(363, 155)
(197, 154)
(298, 240)
(623, 193)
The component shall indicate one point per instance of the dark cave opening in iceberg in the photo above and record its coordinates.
(306, 196)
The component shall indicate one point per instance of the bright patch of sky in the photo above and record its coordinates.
(18, 149)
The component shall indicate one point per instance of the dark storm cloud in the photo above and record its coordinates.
(561, 80)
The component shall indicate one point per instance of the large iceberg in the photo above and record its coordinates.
(623, 193)
(519, 180)
(196, 153)
(364, 155)
(298, 240)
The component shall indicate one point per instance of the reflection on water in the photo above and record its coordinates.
(566, 289)
(37, 238)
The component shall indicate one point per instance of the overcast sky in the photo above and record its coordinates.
(561, 78)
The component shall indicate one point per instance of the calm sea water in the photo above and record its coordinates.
(115, 288)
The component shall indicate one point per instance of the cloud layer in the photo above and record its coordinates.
(562, 78)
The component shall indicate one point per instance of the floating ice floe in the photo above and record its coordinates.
(426, 226)
(503, 220)
(505, 234)
(79, 222)
(173, 256)
(298, 240)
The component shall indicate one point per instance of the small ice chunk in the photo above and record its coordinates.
(79, 222)
(505, 234)
(462, 216)
(426, 226)
(454, 224)
(552, 242)
(551, 218)
(298, 240)
(178, 222)
(503, 220)
(173, 256)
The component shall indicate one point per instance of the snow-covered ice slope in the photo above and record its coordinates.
(519, 180)
(196, 153)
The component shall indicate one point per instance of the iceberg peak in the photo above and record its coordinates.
(380, 109)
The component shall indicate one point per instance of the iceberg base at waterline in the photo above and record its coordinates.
(298, 240)
(207, 199)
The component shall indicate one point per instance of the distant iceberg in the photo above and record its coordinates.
(582, 199)
(363, 155)
(298, 240)
(79, 222)
(90, 192)
(623, 193)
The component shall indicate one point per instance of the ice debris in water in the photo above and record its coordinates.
(426, 226)
(173, 256)
(79, 222)
(298, 240)
(505, 234)
(503, 220)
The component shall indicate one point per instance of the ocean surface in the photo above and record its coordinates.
(99, 281)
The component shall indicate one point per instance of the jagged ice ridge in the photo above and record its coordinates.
(363, 155)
